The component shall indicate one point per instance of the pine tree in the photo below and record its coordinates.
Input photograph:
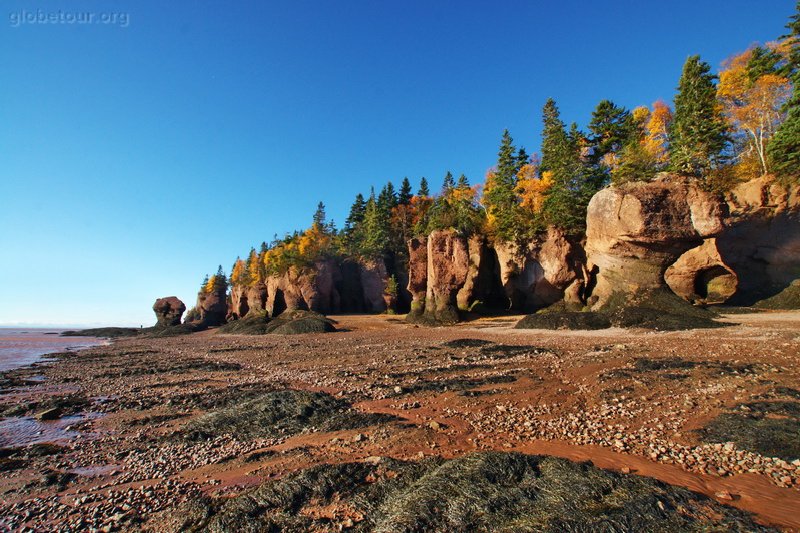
(319, 216)
(784, 147)
(448, 184)
(522, 158)
(499, 194)
(405, 194)
(699, 131)
(463, 182)
(565, 204)
(554, 137)
(356, 215)
(376, 224)
(611, 127)
(387, 199)
(423, 188)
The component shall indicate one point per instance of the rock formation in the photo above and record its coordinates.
(169, 311)
(213, 307)
(761, 241)
(701, 275)
(247, 299)
(634, 232)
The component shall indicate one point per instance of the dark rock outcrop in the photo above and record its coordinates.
(169, 311)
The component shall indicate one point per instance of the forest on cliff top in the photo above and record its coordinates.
(722, 129)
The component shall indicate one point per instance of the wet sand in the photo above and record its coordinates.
(629, 401)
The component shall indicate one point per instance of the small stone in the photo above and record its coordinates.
(358, 437)
(625, 470)
(398, 389)
(724, 495)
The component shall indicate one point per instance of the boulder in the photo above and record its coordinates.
(168, 311)
(701, 276)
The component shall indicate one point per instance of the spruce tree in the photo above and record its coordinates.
(611, 127)
(356, 215)
(376, 225)
(448, 183)
(463, 182)
(698, 135)
(565, 204)
(423, 188)
(405, 194)
(319, 216)
(499, 197)
(784, 147)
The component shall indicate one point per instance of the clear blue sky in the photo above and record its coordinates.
(136, 156)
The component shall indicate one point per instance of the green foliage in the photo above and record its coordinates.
(699, 131)
(391, 286)
(565, 205)
(455, 209)
(448, 183)
(784, 147)
(376, 228)
(611, 128)
(423, 187)
(499, 196)
(405, 194)
(319, 215)
(636, 164)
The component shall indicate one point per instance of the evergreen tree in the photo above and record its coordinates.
(448, 183)
(784, 147)
(423, 188)
(387, 199)
(611, 127)
(522, 158)
(698, 135)
(463, 182)
(319, 216)
(376, 224)
(405, 194)
(554, 137)
(499, 196)
(204, 285)
(357, 211)
(565, 204)
(762, 61)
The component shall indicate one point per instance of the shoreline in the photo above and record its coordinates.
(444, 396)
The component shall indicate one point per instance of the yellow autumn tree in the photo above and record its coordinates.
(753, 106)
(532, 189)
(239, 273)
(254, 272)
(656, 132)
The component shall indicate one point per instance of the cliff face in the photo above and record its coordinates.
(738, 249)
(665, 237)
(449, 273)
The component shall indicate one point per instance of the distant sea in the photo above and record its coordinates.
(23, 346)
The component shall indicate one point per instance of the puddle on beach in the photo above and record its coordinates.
(25, 430)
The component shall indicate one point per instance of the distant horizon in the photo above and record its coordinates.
(146, 144)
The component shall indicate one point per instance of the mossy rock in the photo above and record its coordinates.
(281, 413)
(771, 428)
(298, 322)
(566, 320)
(658, 310)
(489, 491)
(251, 324)
(788, 298)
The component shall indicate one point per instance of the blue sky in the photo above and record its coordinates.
(140, 151)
